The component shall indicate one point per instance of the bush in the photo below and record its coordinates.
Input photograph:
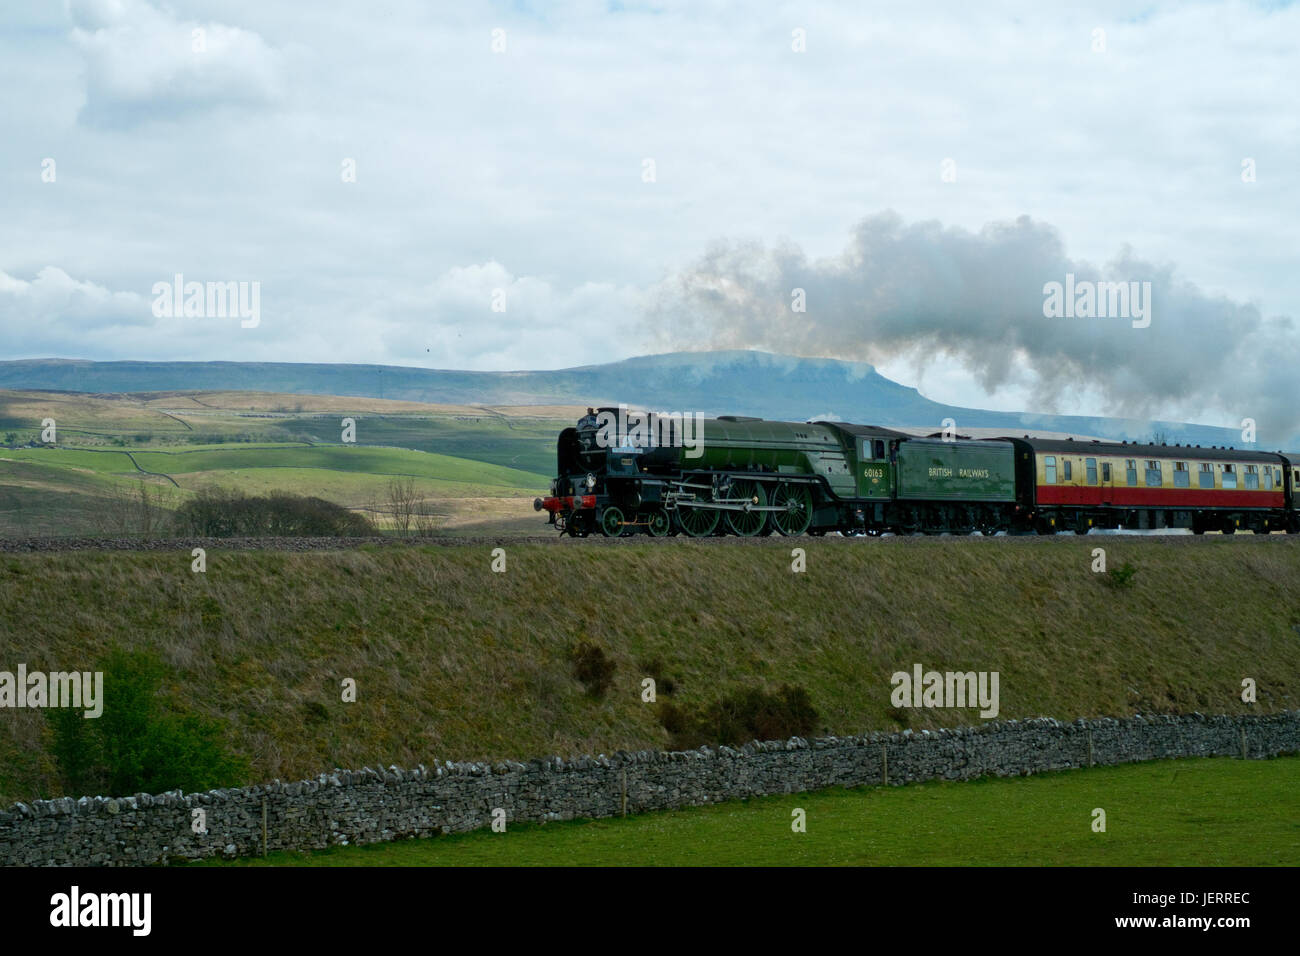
(141, 742)
(748, 714)
(1122, 576)
(592, 668)
(222, 513)
(663, 683)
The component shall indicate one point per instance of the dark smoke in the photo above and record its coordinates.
(922, 290)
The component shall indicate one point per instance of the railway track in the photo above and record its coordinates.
(303, 544)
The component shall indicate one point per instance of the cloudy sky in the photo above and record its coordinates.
(591, 167)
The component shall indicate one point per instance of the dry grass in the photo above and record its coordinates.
(453, 661)
(106, 411)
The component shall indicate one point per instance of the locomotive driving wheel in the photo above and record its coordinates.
(611, 521)
(747, 523)
(794, 509)
(697, 522)
(656, 522)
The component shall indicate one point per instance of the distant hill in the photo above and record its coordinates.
(725, 382)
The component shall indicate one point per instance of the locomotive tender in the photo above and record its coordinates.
(746, 476)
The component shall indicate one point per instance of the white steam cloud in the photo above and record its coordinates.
(923, 291)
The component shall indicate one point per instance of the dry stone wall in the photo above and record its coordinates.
(368, 806)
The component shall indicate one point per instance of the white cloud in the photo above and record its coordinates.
(53, 297)
(448, 323)
(143, 62)
(483, 317)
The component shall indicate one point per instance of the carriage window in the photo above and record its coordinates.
(1229, 476)
(1049, 469)
(1268, 477)
(1252, 476)
(1067, 464)
(1154, 478)
(1090, 467)
(1206, 475)
(1131, 472)
(1105, 472)
(1182, 477)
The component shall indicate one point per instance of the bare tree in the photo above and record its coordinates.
(426, 519)
(402, 502)
(151, 509)
(143, 510)
(374, 510)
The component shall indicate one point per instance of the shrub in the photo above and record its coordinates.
(225, 513)
(751, 713)
(314, 712)
(592, 668)
(141, 742)
(1122, 576)
(663, 683)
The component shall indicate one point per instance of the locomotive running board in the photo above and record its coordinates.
(731, 504)
(728, 506)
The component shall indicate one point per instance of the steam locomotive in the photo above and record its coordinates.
(747, 476)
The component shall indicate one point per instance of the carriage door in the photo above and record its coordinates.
(1107, 480)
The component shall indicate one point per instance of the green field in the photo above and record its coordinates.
(341, 458)
(381, 462)
(461, 459)
(1207, 812)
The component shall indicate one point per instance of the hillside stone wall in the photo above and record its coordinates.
(368, 806)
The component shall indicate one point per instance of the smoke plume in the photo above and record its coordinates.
(921, 290)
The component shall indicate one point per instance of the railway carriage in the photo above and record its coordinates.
(1077, 485)
(747, 476)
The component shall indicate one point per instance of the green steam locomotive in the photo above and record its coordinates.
(668, 474)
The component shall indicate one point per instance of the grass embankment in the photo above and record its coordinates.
(453, 661)
(1178, 813)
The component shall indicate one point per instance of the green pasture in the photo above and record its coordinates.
(1206, 812)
